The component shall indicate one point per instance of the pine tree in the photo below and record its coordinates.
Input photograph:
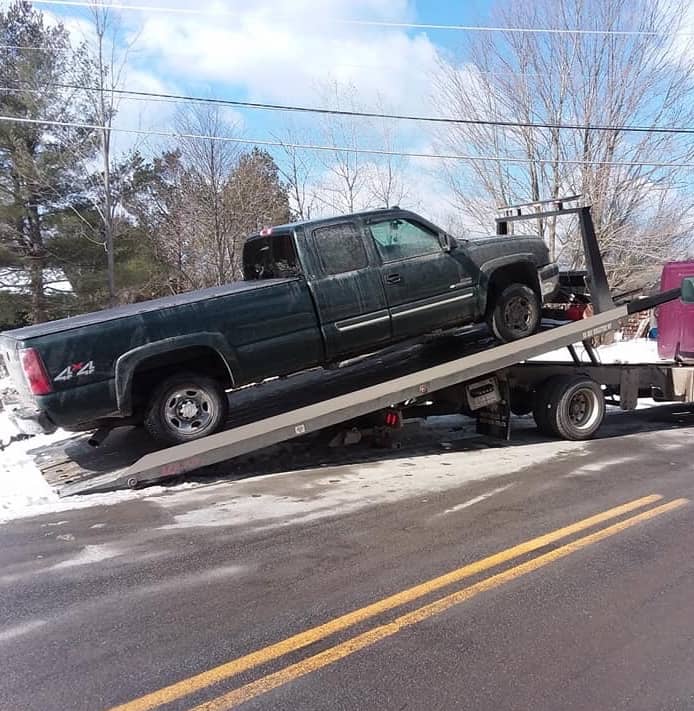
(40, 172)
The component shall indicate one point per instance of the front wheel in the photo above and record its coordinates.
(185, 407)
(515, 313)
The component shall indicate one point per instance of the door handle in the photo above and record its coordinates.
(393, 279)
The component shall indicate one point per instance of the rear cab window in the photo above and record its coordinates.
(271, 256)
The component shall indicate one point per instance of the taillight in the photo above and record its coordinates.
(35, 372)
(393, 419)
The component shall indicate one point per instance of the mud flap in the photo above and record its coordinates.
(494, 420)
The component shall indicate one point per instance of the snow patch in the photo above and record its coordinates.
(89, 554)
(18, 630)
(21, 483)
(638, 350)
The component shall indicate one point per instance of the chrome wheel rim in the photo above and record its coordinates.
(518, 313)
(189, 410)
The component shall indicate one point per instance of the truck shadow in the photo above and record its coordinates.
(421, 439)
(73, 459)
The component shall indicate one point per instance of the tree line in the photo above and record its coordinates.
(85, 225)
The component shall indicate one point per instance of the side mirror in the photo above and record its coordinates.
(447, 242)
(688, 290)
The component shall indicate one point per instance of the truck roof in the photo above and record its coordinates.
(379, 212)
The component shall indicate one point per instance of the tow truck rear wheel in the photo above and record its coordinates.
(515, 313)
(185, 407)
(570, 407)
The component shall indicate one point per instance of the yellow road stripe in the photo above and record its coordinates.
(340, 651)
(224, 671)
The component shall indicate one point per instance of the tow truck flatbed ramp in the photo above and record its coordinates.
(165, 463)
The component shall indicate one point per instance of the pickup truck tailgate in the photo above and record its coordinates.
(10, 365)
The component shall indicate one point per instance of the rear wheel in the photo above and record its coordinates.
(185, 407)
(570, 407)
(515, 313)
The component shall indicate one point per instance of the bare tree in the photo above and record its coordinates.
(609, 80)
(298, 170)
(386, 175)
(345, 186)
(106, 67)
(209, 162)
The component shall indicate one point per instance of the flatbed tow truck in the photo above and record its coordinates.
(484, 380)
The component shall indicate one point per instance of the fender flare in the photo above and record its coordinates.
(524, 259)
(127, 363)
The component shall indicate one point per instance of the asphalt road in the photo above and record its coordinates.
(541, 576)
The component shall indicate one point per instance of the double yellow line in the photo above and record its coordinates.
(344, 649)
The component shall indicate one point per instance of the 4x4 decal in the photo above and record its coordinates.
(76, 370)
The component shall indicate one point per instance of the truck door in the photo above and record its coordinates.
(676, 318)
(426, 287)
(348, 292)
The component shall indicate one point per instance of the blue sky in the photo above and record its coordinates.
(281, 51)
(291, 52)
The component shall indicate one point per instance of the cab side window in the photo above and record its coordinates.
(400, 239)
(340, 248)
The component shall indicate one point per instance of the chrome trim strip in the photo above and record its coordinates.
(359, 324)
(432, 306)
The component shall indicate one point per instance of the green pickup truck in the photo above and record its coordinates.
(314, 294)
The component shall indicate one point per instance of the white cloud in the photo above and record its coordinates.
(281, 50)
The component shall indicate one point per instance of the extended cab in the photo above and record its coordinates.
(314, 293)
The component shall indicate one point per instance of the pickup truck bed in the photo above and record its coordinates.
(142, 307)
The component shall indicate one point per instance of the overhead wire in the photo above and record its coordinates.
(237, 103)
(371, 23)
(339, 149)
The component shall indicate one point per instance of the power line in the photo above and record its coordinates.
(371, 114)
(370, 23)
(339, 149)
(46, 48)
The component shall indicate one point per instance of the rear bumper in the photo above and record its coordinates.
(29, 420)
(548, 277)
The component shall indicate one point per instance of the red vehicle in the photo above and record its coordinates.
(676, 318)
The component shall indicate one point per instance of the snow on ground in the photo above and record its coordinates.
(638, 350)
(24, 492)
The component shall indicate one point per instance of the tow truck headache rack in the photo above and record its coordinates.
(596, 277)
(478, 383)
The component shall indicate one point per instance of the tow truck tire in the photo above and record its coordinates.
(570, 407)
(184, 407)
(522, 402)
(515, 313)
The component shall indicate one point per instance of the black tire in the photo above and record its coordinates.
(515, 313)
(185, 407)
(570, 407)
(541, 407)
(522, 402)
